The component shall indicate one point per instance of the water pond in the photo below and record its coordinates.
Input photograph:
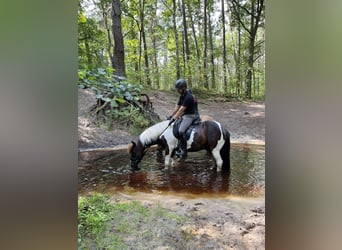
(109, 171)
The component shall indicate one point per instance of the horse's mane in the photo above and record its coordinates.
(150, 135)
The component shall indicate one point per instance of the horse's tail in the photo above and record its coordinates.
(225, 150)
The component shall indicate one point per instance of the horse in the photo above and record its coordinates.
(209, 135)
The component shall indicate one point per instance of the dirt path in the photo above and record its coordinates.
(244, 120)
(212, 222)
(215, 222)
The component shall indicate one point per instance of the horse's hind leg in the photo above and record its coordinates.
(218, 158)
(216, 154)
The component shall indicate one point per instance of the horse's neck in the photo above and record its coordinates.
(151, 135)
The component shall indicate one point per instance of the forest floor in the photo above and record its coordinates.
(215, 222)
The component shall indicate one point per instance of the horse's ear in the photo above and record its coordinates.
(130, 147)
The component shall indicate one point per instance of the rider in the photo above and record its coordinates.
(186, 108)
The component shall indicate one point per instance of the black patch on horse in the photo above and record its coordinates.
(177, 123)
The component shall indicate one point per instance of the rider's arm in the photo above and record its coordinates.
(175, 110)
(179, 112)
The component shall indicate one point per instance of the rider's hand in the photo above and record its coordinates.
(171, 121)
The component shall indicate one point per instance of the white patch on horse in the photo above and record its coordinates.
(151, 134)
(171, 143)
(191, 139)
(217, 149)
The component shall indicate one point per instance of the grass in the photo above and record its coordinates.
(94, 212)
(107, 225)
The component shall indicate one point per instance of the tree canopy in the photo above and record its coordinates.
(216, 45)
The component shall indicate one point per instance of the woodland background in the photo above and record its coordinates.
(218, 46)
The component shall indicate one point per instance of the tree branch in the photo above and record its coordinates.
(239, 19)
(102, 107)
(259, 11)
(243, 7)
(165, 4)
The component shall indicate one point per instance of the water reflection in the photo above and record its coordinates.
(109, 170)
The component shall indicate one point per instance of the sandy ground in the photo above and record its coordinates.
(218, 222)
(215, 222)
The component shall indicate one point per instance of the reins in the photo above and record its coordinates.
(164, 130)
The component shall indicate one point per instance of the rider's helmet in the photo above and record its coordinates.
(180, 83)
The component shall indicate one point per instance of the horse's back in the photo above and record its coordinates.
(213, 125)
(214, 129)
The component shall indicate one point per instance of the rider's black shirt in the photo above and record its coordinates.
(189, 101)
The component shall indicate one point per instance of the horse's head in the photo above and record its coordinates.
(136, 152)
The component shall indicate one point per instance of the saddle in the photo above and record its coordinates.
(193, 125)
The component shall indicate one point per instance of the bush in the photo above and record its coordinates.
(117, 99)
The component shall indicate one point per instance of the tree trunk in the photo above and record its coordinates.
(194, 32)
(250, 68)
(119, 52)
(205, 63)
(140, 54)
(183, 55)
(255, 15)
(142, 21)
(176, 38)
(89, 61)
(154, 25)
(212, 66)
(186, 41)
(238, 62)
(105, 20)
(136, 52)
(224, 50)
(250, 54)
(254, 25)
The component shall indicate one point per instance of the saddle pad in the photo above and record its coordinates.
(193, 125)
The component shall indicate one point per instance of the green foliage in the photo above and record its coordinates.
(106, 225)
(94, 46)
(92, 43)
(129, 116)
(122, 96)
(106, 85)
(93, 215)
(202, 93)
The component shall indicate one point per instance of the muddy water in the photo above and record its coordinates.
(109, 171)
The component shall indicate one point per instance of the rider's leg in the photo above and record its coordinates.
(186, 122)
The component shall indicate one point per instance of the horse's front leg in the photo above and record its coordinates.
(160, 150)
(169, 142)
(169, 157)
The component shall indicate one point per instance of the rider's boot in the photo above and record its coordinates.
(182, 152)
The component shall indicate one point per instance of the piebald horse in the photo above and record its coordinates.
(209, 135)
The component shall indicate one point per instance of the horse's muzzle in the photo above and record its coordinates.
(134, 165)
